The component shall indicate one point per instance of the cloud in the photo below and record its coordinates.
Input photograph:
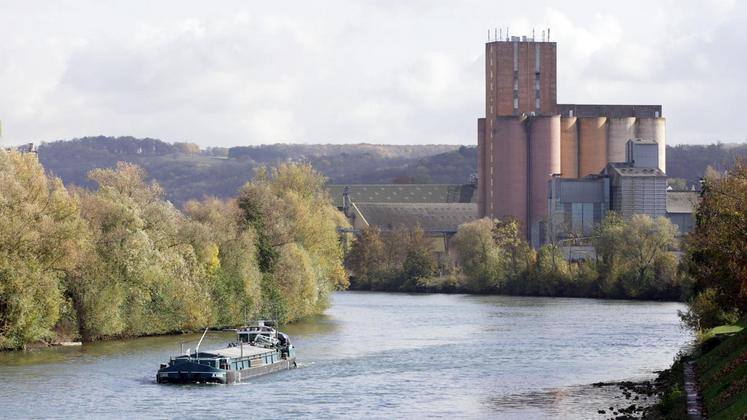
(337, 71)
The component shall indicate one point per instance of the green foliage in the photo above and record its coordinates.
(122, 261)
(722, 372)
(478, 255)
(401, 259)
(490, 256)
(716, 256)
(298, 248)
(367, 258)
(40, 238)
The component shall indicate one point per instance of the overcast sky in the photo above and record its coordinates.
(226, 73)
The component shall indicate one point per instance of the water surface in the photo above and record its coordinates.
(376, 355)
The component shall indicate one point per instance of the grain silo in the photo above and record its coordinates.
(592, 145)
(510, 166)
(544, 153)
(654, 129)
(619, 131)
(568, 147)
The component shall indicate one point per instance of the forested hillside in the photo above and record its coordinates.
(185, 171)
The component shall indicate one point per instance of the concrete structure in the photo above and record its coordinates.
(637, 190)
(634, 186)
(577, 205)
(642, 153)
(681, 206)
(526, 136)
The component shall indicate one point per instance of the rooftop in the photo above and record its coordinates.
(682, 201)
(626, 170)
(402, 193)
(432, 217)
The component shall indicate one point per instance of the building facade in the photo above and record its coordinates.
(526, 137)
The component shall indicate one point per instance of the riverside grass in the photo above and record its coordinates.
(722, 374)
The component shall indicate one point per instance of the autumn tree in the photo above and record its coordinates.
(478, 254)
(717, 249)
(367, 258)
(142, 275)
(298, 248)
(41, 235)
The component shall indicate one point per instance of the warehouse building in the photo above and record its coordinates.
(438, 209)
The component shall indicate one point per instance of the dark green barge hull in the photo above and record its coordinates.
(193, 373)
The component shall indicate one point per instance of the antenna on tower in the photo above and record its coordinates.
(488, 35)
(495, 34)
(507, 28)
(532, 34)
(501, 38)
(548, 34)
(543, 35)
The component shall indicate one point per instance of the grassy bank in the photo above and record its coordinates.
(722, 376)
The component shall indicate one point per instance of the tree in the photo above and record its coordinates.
(645, 245)
(367, 258)
(141, 275)
(41, 235)
(419, 264)
(296, 229)
(517, 253)
(478, 254)
(716, 254)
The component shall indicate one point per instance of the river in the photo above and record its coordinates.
(376, 355)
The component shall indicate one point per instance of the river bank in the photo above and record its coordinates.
(458, 285)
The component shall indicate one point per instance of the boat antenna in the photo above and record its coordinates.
(197, 349)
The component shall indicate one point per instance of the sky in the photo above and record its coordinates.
(227, 73)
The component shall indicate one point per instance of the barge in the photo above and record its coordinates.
(258, 350)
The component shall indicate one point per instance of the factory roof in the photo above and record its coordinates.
(432, 217)
(402, 193)
(627, 170)
(682, 201)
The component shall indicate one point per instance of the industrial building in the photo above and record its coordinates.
(438, 209)
(634, 186)
(526, 137)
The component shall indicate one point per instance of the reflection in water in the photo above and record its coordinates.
(377, 355)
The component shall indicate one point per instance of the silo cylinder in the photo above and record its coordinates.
(655, 129)
(510, 156)
(592, 141)
(568, 147)
(620, 131)
(544, 161)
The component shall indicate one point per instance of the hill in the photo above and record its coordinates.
(185, 171)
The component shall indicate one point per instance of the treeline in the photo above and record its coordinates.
(690, 161)
(633, 260)
(122, 261)
(716, 251)
(185, 172)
